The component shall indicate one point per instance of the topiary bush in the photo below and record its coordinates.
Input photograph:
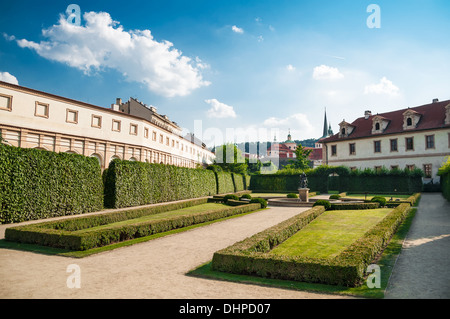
(335, 196)
(246, 196)
(262, 201)
(379, 199)
(292, 195)
(323, 202)
(230, 196)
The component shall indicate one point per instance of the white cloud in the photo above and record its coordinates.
(220, 110)
(237, 29)
(290, 67)
(298, 124)
(7, 77)
(383, 87)
(324, 72)
(103, 43)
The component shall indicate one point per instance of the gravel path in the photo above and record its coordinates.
(422, 270)
(150, 270)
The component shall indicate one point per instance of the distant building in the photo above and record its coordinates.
(131, 130)
(417, 137)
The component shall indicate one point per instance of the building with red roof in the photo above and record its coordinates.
(416, 137)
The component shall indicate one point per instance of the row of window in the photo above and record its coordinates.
(427, 168)
(393, 144)
(42, 110)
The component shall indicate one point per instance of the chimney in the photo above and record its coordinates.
(114, 107)
(435, 100)
(367, 114)
(118, 101)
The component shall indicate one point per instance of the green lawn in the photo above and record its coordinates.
(387, 196)
(330, 233)
(202, 208)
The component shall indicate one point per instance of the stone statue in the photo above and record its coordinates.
(303, 181)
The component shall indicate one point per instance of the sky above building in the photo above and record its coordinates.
(234, 71)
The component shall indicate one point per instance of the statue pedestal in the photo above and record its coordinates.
(303, 194)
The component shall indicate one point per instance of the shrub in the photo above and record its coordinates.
(379, 199)
(247, 196)
(262, 201)
(292, 195)
(335, 196)
(230, 196)
(322, 202)
(350, 206)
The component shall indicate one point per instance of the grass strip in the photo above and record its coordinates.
(85, 253)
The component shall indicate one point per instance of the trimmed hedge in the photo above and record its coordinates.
(80, 234)
(238, 181)
(444, 173)
(130, 184)
(224, 182)
(251, 256)
(37, 184)
(350, 206)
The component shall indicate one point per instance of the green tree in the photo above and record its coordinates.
(230, 159)
(301, 161)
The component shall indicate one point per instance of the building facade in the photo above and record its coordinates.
(130, 130)
(417, 137)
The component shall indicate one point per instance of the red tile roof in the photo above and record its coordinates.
(432, 117)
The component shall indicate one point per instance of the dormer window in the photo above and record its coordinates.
(379, 124)
(345, 129)
(408, 121)
(411, 119)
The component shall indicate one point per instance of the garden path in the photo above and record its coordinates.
(422, 270)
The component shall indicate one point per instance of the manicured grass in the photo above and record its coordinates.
(84, 253)
(208, 207)
(332, 232)
(386, 262)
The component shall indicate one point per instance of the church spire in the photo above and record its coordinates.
(325, 125)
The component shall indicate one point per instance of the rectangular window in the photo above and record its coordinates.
(377, 169)
(161, 138)
(71, 116)
(411, 167)
(333, 150)
(41, 109)
(409, 141)
(394, 147)
(427, 170)
(146, 132)
(377, 146)
(394, 166)
(429, 141)
(352, 149)
(116, 125)
(133, 129)
(167, 141)
(96, 121)
(5, 102)
(154, 136)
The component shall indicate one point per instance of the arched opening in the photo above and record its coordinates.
(408, 121)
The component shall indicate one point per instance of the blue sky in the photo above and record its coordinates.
(253, 69)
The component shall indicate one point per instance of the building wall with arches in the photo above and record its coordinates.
(35, 119)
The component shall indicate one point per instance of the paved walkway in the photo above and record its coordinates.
(422, 270)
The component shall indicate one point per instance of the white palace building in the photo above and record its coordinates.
(416, 137)
(131, 130)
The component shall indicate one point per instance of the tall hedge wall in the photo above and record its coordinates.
(36, 184)
(340, 178)
(135, 183)
(224, 182)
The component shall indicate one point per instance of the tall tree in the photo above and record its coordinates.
(302, 158)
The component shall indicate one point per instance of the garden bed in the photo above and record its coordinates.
(346, 267)
(83, 233)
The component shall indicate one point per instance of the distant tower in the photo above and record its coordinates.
(289, 136)
(325, 125)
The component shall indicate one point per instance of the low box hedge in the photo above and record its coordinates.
(251, 256)
(79, 233)
(349, 206)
